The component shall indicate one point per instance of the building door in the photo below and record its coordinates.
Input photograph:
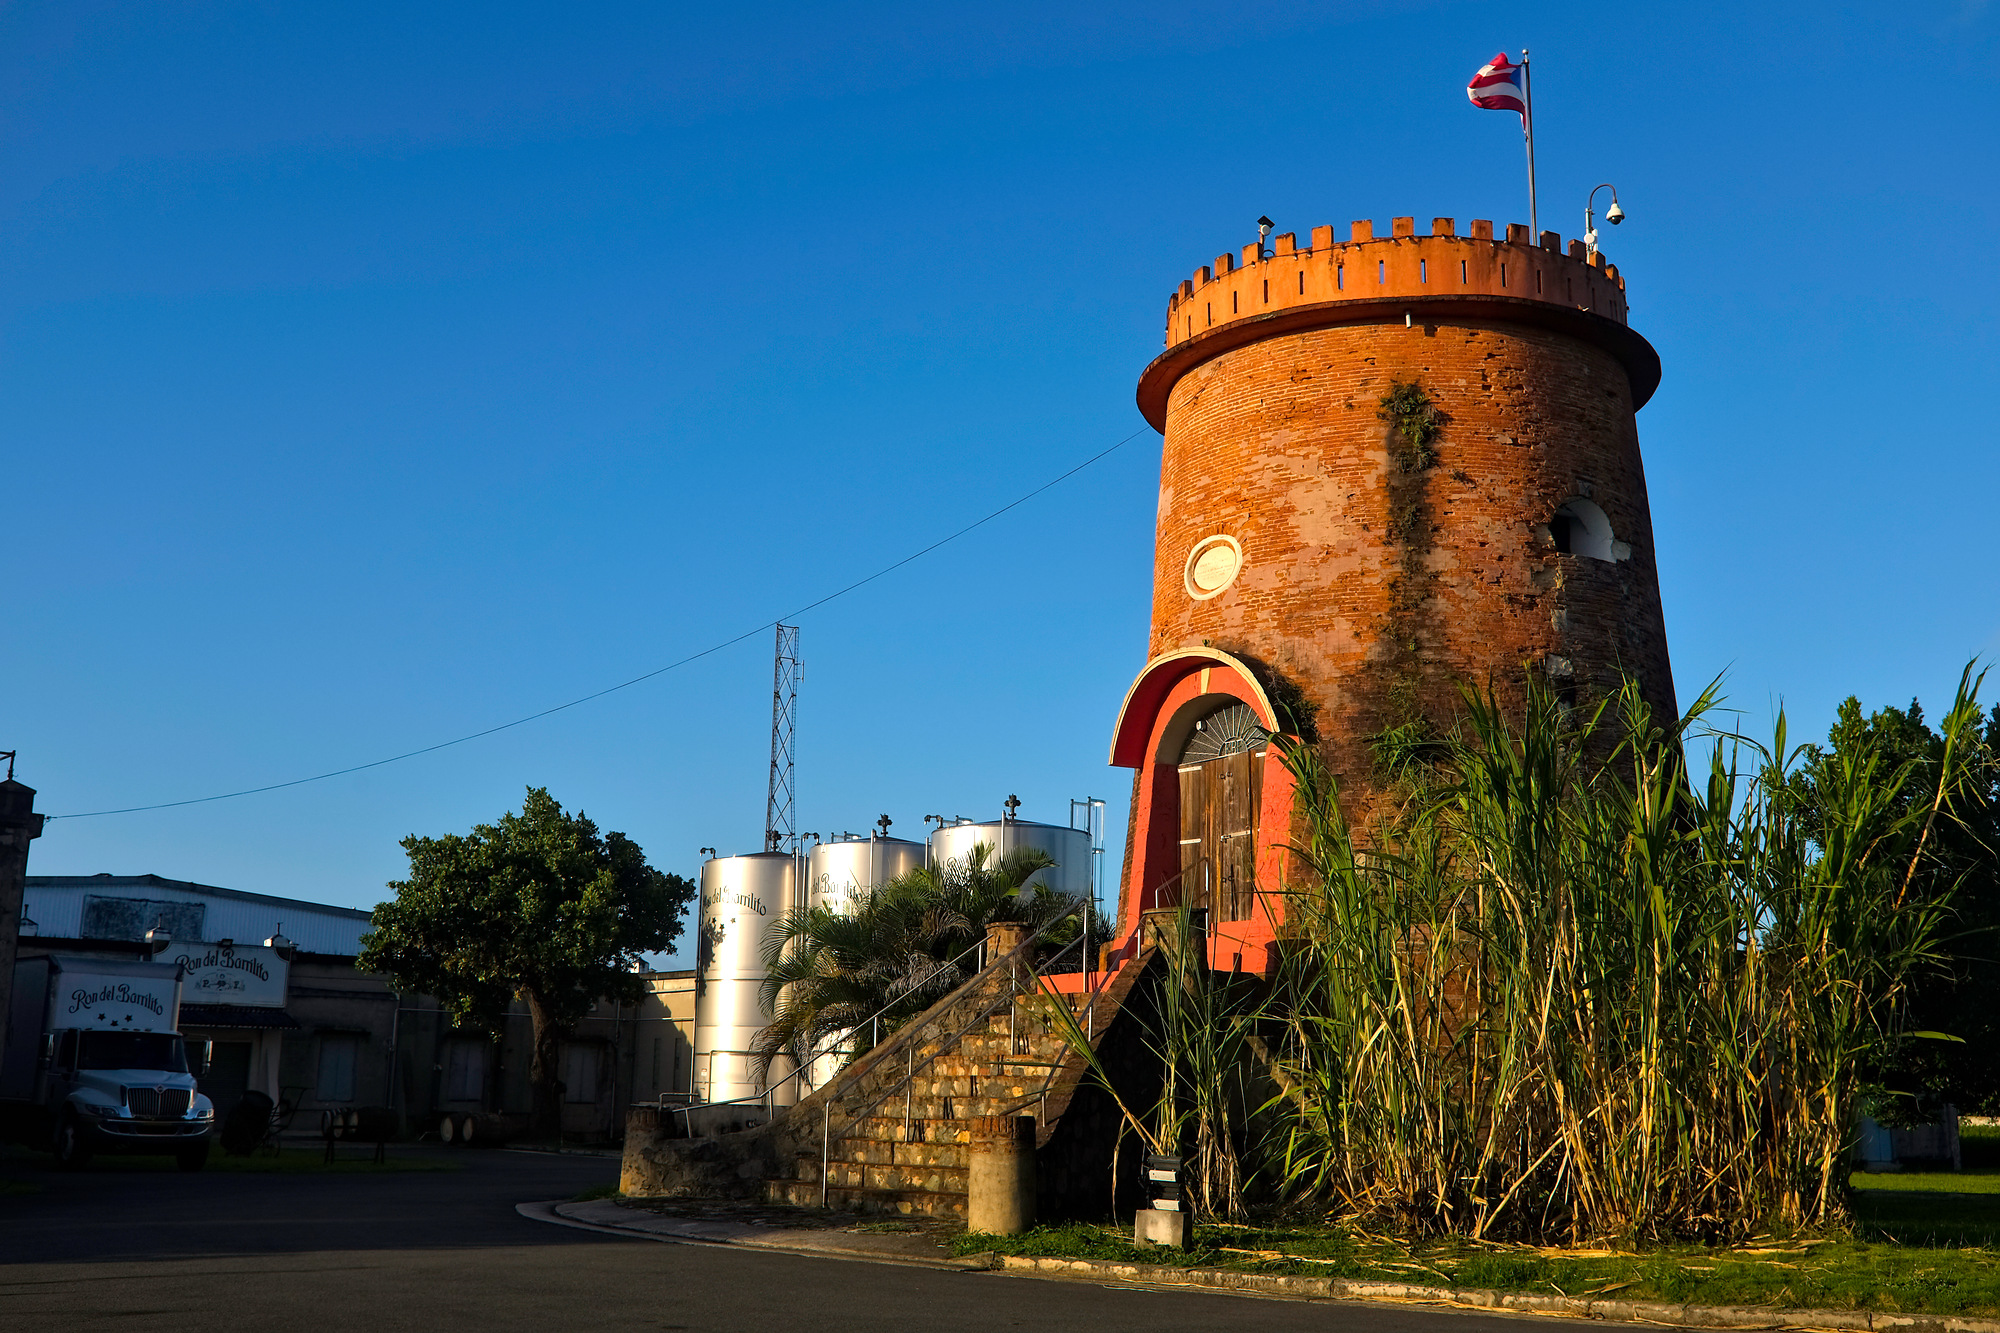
(339, 1053)
(1221, 778)
(465, 1070)
(228, 1076)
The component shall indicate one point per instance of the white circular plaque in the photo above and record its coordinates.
(1212, 566)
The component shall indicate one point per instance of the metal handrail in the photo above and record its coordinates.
(987, 1011)
(1201, 863)
(1109, 975)
(1090, 1019)
(813, 1055)
(1090, 1003)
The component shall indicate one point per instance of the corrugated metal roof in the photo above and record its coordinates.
(55, 903)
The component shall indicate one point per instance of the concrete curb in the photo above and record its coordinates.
(1475, 1299)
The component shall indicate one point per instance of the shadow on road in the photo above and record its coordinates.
(134, 1209)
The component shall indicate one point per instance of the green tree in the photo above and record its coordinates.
(906, 945)
(539, 906)
(1959, 868)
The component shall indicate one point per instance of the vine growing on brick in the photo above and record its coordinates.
(1417, 424)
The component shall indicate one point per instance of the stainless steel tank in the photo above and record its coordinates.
(1069, 846)
(837, 874)
(742, 898)
(840, 871)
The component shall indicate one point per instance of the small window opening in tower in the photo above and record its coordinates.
(1503, 275)
(1267, 291)
(1423, 270)
(1561, 673)
(1232, 303)
(1381, 270)
(1580, 527)
(1461, 272)
(1340, 276)
(1302, 282)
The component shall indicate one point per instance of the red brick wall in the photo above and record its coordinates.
(1378, 589)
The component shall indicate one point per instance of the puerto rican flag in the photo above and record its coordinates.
(1497, 87)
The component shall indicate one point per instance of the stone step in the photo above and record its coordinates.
(904, 1203)
(920, 1129)
(969, 1079)
(874, 1152)
(887, 1178)
(995, 1098)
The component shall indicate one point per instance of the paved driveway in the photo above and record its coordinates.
(430, 1252)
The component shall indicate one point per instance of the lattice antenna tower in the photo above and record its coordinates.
(780, 818)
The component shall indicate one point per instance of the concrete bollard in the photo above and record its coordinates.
(1000, 1175)
(1157, 1226)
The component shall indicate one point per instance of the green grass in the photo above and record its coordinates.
(1983, 1181)
(596, 1192)
(1924, 1251)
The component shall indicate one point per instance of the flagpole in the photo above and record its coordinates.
(1528, 123)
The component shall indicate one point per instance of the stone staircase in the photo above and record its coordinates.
(908, 1154)
(892, 1134)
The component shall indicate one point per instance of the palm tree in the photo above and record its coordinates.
(904, 946)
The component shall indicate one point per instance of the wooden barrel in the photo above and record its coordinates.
(246, 1124)
(487, 1131)
(371, 1124)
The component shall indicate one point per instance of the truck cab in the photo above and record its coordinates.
(124, 1092)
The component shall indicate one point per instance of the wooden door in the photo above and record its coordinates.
(1236, 785)
(228, 1076)
(1219, 801)
(1197, 836)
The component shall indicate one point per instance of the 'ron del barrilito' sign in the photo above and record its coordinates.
(232, 974)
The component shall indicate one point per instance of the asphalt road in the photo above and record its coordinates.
(430, 1251)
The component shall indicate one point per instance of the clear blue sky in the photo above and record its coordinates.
(371, 376)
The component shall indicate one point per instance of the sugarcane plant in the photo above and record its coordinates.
(1200, 1030)
(1571, 993)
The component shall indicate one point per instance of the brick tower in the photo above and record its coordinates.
(1307, 548)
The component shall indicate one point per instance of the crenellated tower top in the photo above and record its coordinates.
(1404, 277)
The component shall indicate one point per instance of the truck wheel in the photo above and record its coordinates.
(72, 1143)
(192, 1159)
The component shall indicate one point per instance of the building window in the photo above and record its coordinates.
(339, 1052)
(465, 1070)
(1580, 527)
(580, 1063)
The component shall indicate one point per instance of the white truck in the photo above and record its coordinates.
(94, 1062)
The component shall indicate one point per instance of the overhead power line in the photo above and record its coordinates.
(674, 665)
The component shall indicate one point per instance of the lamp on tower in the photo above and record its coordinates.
(1614, 215)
